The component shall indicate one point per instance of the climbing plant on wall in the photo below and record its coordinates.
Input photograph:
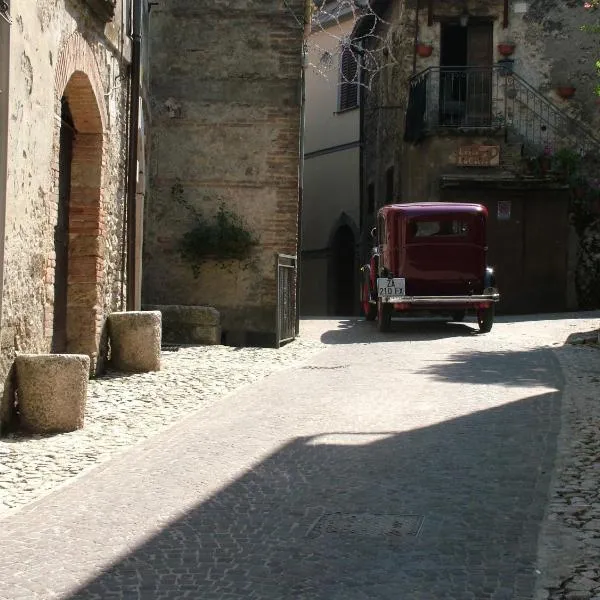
(223, 238)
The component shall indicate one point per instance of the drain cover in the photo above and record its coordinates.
(333, 368)
(366, 524)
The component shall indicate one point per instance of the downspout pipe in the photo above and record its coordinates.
(132, 162)
(414, 64)
(4, 110)
(307, 22)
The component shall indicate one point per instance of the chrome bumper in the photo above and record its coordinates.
(426, 300)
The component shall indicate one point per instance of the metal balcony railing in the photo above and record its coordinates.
(492, 98)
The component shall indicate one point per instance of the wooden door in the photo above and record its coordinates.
(61, 232)
(480, 56)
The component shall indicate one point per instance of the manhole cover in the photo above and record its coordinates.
(366, 524)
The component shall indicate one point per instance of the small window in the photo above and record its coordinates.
(381, 230)
(445, 228)
(348, 90)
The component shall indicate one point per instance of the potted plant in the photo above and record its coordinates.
(565, 90)
(506, 48)
(424, 49)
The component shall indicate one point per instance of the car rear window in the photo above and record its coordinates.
(418, 229)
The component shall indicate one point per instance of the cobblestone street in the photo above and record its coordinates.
(428, 463)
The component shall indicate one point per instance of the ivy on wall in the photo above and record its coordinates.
(222, 239)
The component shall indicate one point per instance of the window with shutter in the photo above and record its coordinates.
(348, 90)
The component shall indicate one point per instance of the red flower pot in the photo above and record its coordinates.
(506, 48)
(424, 50)
(565, 91)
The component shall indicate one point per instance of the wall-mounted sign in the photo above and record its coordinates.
(478, 156)
(520, 8)
(504, 207)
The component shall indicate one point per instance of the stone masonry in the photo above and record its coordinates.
(64, 53)
(226, 123)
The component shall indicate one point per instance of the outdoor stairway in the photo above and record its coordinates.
(495, 101)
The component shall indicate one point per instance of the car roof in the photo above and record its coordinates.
(422, 208)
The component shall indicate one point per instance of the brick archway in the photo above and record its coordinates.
(77, 269)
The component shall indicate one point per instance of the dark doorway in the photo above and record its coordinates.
(61, 231)
(342, 273)
(466, 58)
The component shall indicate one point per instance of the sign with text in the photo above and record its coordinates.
(504, 207)
(478, 156)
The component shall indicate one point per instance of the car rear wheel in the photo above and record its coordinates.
(384, 316)
(369, 309)
(458, 315)
(485, 319)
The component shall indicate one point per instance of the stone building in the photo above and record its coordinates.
(331, 202)
(480, 102)
(67, 133)
(225, 138)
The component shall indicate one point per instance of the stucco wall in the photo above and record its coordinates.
(225, 89)
(325, 126)
(331, 168)
(51, 40)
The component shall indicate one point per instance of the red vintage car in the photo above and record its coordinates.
(430, 256)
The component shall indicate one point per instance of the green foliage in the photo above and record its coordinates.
(223, 238)
(591, 6)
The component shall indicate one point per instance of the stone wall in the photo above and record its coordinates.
(61, 48)
(550, 50)
(225, 87)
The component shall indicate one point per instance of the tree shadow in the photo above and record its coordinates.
(446, 511)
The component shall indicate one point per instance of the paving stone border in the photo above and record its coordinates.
(569, 558)
(124, 409)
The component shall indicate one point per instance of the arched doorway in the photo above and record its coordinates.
(343, 272)
(79, 225)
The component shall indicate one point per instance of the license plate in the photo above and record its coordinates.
(391, 287)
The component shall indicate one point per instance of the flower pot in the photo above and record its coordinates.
(565, 91)
(506, 48)
(424, 50)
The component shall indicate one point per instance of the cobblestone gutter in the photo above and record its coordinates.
(569, 561)
(124, 409)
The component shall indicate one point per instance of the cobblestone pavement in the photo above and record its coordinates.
(570, 540)
(410, 465)
(122, 410)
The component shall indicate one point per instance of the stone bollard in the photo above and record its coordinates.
(51, 391)
(135, 341)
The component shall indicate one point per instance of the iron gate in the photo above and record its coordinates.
(286, 298)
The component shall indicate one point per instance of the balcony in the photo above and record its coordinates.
(103, 9)
(487, 100)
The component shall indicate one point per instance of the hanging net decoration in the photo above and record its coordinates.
(352, 56)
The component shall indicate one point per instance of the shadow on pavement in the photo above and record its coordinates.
(357, 331)
(447, 511)
(511, 368)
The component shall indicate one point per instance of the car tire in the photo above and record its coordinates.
(485, 319)
(384, 317)
(458, 315)
(369, 309)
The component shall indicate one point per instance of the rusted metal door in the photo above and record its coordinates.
(61, 231)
